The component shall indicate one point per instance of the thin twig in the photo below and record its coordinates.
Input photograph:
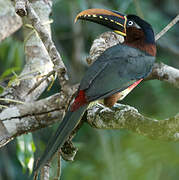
(40, 82)
(2, 106)
(170, 25)
(12, 100)
(35, 176)
(45, 172)
(59, 164)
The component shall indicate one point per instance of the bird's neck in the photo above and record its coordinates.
(141, 40)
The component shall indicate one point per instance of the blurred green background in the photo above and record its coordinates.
(103, 154)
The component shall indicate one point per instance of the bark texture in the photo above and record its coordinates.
(10, 21)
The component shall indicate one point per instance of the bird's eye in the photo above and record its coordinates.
(130, 23)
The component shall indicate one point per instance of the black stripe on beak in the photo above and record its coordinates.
(111, 19)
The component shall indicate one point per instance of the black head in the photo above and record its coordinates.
(137, 22)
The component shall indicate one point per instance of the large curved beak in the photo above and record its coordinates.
(111, 19)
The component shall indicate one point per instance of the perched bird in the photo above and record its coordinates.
(113, 75)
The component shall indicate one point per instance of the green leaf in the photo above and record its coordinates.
(8, 72)
(1, 89)
(25, 151)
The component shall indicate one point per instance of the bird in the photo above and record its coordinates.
(115, 73)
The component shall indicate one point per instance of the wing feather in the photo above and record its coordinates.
(115, 70)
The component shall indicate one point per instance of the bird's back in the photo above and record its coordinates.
(121, 65)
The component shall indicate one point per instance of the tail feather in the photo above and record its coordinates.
(63, 132)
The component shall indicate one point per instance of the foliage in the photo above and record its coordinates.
(25, 151)
(11, 60)
(11, 56)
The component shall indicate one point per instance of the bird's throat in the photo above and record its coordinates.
(148, 48)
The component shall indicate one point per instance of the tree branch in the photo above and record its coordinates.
(38, 62)
(166, 73)
(9, 22)
(171, 24)
(59, 66)
(31, 116)
(127, 117)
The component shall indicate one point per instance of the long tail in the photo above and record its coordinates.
(64, 130)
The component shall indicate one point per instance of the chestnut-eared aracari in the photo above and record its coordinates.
(113, 75)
